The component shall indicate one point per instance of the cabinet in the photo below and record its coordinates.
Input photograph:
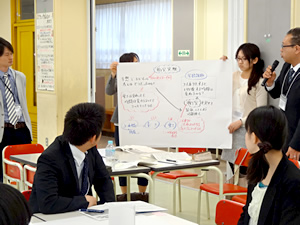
(108, 126)
(268, 23)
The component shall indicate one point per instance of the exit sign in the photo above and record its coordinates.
(183, 53)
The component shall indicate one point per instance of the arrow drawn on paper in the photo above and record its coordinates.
(168, 100)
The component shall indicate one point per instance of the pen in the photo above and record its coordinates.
(91, 210)
(167, 162)
(171, 160)
(39, 218)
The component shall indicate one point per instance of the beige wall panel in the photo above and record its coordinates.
(210, 40)
(71, 66)
(46, 118)
(295, 16)
(5, 24)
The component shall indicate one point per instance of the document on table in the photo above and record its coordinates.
(172, 157)
(140, 206)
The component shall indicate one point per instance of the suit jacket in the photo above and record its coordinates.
(282, 198)
(56, 188)
(21, 87)
(292, 110)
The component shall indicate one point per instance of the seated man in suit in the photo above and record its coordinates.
(68, 168)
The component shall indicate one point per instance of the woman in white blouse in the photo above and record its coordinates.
(247, 95)
(274, 182)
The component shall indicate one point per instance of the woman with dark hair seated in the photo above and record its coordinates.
(14, 209)
(274, 182)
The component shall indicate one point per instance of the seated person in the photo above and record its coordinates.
(68, 168)
(13, 206)
(274, 182)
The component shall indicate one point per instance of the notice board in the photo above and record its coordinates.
(175, 104)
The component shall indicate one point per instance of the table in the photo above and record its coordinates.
(29, 159)
(140, 171)
(74, 218)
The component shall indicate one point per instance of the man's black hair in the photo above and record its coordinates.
(82, 122)
(4, 43)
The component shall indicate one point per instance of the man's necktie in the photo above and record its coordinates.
(12, 116)
(290, 75)
(85, 172)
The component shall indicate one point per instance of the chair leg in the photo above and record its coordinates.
(199, 207)
(174, 197)
(179, 195)
(207, 206)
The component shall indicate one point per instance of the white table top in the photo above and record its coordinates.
(74, 218)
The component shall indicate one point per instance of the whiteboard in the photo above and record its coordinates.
(175, 104)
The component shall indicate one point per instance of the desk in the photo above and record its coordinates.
(73, 218)
(30, 159)
(140, 171)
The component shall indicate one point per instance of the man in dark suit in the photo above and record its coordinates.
(68, 168)
(287, 88)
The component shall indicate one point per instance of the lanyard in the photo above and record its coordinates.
(8, 88)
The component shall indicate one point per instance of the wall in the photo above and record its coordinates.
(210, 37)
(295, 16)
(5, 24)
(183, 28)
(71, 68)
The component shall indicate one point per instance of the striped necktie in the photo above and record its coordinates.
(12, 116)
(85, 172)
(290, 75)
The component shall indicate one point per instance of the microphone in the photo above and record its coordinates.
(274, 65)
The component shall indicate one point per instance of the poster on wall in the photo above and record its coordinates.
(45, 51)
(175, 104)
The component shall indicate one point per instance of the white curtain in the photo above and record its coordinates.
(143, 27)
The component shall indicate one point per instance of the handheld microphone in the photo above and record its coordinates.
(274, 65)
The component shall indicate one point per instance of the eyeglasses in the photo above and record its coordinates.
(285, 46)
(241, 59)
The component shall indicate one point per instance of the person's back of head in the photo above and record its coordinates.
(5, 44)
(14, 209)
(82, 122)
(269, 124)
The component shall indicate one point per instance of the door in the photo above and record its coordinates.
(22, 12)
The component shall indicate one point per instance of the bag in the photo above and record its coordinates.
(135, 196)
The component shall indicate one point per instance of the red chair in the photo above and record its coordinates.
(220, 188)
(26, 194)
(29, 173)
(240, 198)
(13, 171)
(228, 212)
(296, 162)
(180, 174)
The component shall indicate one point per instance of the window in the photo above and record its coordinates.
(143, 27)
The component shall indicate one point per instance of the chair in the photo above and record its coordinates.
(228, 212)
(179, 175)
(27, 194)
(296, 162)
(29, 173)
(240, 198)
(242, 159)
(13, 171)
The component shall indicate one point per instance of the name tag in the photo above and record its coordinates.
(282, 102)
(18, 109)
